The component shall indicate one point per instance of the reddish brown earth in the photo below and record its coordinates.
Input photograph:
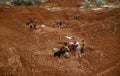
(26, 53)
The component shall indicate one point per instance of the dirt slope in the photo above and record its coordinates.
(26, 53)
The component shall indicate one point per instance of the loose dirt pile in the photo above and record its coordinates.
(27, 53)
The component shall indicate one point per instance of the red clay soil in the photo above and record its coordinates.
(28, 53)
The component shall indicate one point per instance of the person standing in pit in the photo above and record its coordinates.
(82, 46)
(35, 23)
(78, 52)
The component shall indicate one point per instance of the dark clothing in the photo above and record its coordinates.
(82, 48)
(31, 27)
(72, 47)
(35, 24)
(57, 54)
(62, 50)
(59, 23)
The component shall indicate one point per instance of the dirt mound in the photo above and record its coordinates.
(28, 53)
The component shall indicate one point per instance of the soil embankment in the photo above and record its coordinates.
(26, 53)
